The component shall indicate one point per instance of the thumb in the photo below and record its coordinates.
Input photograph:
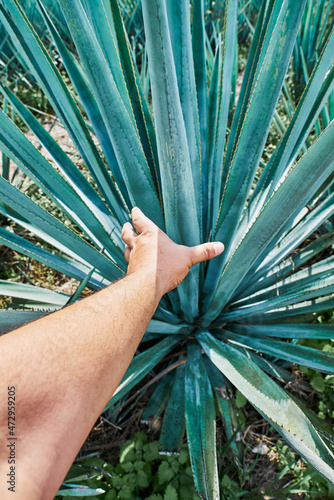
(140, 221)
(205, 251)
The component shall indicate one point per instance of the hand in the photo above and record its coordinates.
(153, 251)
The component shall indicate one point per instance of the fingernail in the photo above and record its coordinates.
(218, 247)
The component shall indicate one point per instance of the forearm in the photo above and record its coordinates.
(79, 356)
(66, 366)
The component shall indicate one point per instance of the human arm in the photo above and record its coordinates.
(66, 366)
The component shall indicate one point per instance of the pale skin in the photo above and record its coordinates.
(66, 366)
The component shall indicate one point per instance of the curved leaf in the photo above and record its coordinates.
(123, 134)
(158, 399)
(272, 402)
(313, 358)
(141, 365)
(33, 163)
(279, 211)
(33, 52)
(9, 320)
(24, 211)
(286, 331)
(64, 265)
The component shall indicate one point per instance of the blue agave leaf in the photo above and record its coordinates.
(272, 402)
(141, 365)
(123, 133)
(33, 52)
(201, 424)
(313, 358)
(174, 426)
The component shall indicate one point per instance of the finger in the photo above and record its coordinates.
(128, 234)
(205, 251)
(140, 221)
(127, 252)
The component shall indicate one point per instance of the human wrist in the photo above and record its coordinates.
(149, 281)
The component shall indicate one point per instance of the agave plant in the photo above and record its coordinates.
(314, 29)
(170, 142)
(247, 13)
(10, 63)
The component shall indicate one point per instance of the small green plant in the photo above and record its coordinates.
(142, 473)
(301, 478)
(323, 384)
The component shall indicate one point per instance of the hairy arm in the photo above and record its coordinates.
(66, 366)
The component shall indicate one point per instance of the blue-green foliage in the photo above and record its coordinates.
(171, 139)
(314, 30)
(313, 35)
